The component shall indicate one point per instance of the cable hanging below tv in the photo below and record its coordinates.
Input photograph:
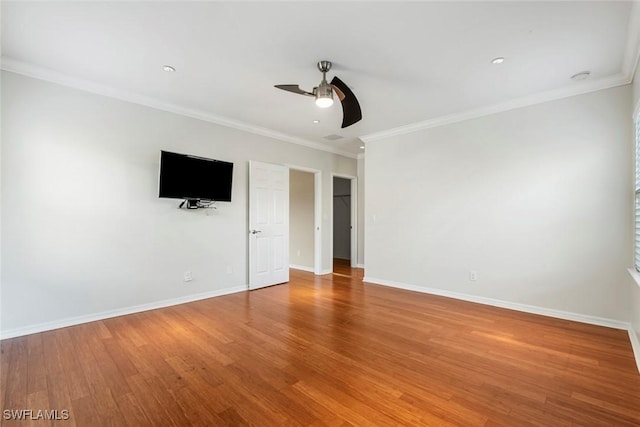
(199, 181)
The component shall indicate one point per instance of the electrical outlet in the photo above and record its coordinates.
(473, 275)
(187, 276)
(298, 252)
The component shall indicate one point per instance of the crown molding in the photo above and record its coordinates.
(46, 74)
(628, 70)
(579, 89)
(630, 63)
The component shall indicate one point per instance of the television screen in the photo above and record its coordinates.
(195, 178)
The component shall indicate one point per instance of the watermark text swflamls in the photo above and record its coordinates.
(39, 414)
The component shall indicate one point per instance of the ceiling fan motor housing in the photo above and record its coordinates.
(324, 90)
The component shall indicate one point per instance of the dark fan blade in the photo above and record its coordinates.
(351, 112)
(294, 89)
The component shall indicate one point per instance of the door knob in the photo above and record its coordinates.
(255, 231)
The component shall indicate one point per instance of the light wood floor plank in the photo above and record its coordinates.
(326, 351)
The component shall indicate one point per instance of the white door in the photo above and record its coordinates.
(268, 224)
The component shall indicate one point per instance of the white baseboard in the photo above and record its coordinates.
(71, 321)
(566, 315)
(327, 271)
(359, 265)
(301, 267)
(635, 345)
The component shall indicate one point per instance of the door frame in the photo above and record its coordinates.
(317, 216)
(354, 218)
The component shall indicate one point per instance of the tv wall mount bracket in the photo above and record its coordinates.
(197, 204)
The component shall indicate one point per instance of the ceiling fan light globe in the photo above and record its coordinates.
(324, 102)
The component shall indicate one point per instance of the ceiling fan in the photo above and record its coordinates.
(323, 93)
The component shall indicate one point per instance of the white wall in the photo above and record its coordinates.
(301, 219)
(341, 218)
(360, 212)
(1, 174)
(635, 88)
(83, 229)
(536, 200)
(633, 285)
(635, 316)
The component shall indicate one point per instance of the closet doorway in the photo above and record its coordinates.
(344, 215)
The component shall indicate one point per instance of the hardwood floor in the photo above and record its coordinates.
(325, 351)
(342, 267)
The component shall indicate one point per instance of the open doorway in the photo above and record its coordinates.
(301, 223)
(344, 214)
(304, 219)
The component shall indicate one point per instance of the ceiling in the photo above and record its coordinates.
(409, 63)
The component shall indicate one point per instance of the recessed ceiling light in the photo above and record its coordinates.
(582, 75)
(168, 68)
(316, 121)
(498, 60)
(362, 146)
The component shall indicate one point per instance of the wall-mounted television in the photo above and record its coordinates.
(194, 178)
